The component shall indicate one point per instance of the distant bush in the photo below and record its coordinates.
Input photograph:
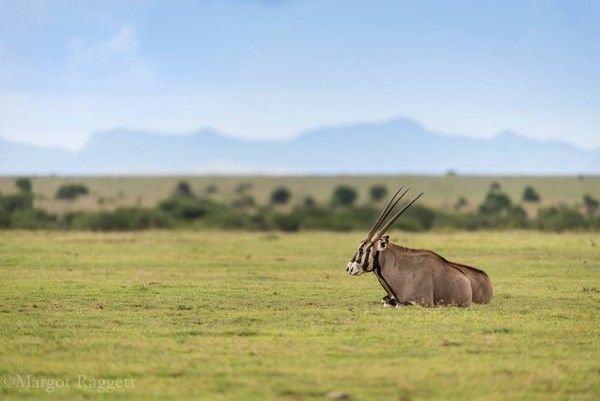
(357, 218)
(14, 202)
(309, 201)
(4, 218)
(560, 218)
(24, 184)
(591, 204)
(530, 194)
(262, 221)
(227, 219)
(422, 215)
(71, 191)
(510, 217)
(122, 219)
(314, 217)
(461, 203)
(360, 218)
(594, 223)
(495, 202)
(378, 192)
(462, 221)
(31, 219)
(280, 196)
(211, 189)
(185, 208)
(516, 218)
(288, 222)
(344, 196)
(244, 201)
(183, 190)
(495, 186)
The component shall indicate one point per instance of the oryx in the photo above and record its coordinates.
(416, 276)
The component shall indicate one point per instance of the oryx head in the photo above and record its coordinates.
(366, 258)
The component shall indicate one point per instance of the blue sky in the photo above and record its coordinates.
(270, 69)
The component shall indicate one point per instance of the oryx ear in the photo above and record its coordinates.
(383, 242)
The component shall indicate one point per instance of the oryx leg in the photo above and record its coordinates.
(389, 300)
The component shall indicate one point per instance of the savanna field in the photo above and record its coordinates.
(270, 316)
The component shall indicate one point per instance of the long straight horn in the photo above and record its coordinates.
(381, 215)
(385, 212)
(395, 217)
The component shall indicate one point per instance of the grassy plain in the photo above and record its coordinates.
(242, 316)
(440, 192)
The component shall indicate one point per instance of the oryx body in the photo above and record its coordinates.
(417, 276)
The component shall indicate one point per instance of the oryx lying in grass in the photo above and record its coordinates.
(418, 276)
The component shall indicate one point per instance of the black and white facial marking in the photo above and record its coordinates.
(366, 257)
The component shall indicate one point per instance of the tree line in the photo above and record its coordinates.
(187, 209)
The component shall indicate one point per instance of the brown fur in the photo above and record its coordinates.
(424, 277)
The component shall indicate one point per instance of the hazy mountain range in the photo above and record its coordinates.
(397, 146)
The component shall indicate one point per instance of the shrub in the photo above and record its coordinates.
(183, 190)
(516, 218)
(378, 192)
(227, 219)
(463, 221)
(559, 218)
(244, 201)
(19, 201)
(495, 202)
(211, 189)
(409, 224)
(4, 218)
(512, 217)
(344, 196)
(594, 223)
(187, 208)
(309, 201)
(314, 217)
(356, 218)
(288, 222)
(120, 220)
(461, 203)
(591, 204)
(424, 215)
(71, 191)
(24, 184)
(417, 218)
(280, 196)
(32, 219)
(530, 194)
(261, 221)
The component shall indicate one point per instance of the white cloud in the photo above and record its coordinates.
(108, 64)
(124, 41)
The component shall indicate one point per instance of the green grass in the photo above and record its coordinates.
(440, 192)
(241, 316)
